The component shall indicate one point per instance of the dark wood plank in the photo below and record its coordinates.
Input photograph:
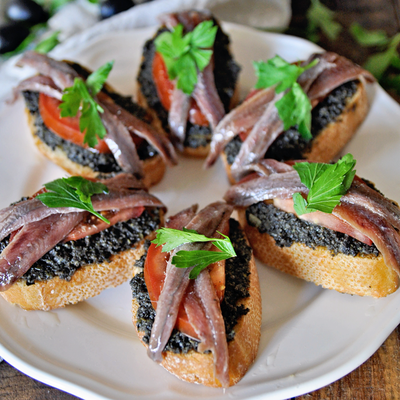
(376, 379)
(14, 385)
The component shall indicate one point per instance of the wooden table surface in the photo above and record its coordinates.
(379, 377)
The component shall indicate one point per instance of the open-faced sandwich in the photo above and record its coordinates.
(188, 78)
(84, 126)
(196, 298)
(307, 111)
(321, 223)
(74, 239)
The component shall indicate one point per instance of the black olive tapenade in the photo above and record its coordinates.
(287, 229)
(290, 145)
(104, 163)
(237, 288)
(226, 72)
(65, 258)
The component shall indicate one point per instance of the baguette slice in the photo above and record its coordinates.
(363, 276)
(327, 145)
(154, 167)
(197, 367)
(226, 72)
(87, 281)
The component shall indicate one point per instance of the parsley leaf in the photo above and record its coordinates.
(185, 55)
(199, 259)
(28, 43)
(97, 79)
(53, 5)
(79, 97)
(73, 192)
(294, 107)
(321, 17)
(378, 63)
(48, 44)
(276, 71)
(368, 38)
(327, 183)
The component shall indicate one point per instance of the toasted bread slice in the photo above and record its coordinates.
(328, 144)
(198, 367)
(361, 275)
(154, 167)
(87, 281)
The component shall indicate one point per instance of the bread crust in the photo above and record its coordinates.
(86, 282)
(361, 275)
(154, 167)
(327, 145)
(197, 367)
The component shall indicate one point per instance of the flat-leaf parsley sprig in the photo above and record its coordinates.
(185, 55)
(170, 239)
(73, 192)
(327, 183)
(294, 107)
(80, 97)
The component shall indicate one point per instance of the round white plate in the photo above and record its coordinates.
(310, 336)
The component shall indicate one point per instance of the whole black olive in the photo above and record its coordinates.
(11, 35)
(108, 8)
(27, 11)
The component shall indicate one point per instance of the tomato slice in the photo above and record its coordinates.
(154, 275)
(165, 87)
(66, 127)
(154, 272)
(196, 117)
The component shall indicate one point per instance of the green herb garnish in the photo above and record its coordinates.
(73, 192)
(368, 38)
(52, 6)
(294, 107)
(327, 183)
(384, 64)
(199, 259)
(379, 62)
(48, 44)
(321, 17)
(185, 55)
(28, 42)
(80, 97)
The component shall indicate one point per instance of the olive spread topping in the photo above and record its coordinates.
(290, 145)
(65, 258)
(237, 288)
(226, 73)
(287, 229)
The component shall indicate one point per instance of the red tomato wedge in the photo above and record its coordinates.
(66, 127)
(154, 275)
(160, 76)
(196, 117)
(165, 88)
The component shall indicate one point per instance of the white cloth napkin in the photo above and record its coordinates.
(77, 22)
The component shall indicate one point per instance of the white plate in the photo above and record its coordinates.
(310, 336)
